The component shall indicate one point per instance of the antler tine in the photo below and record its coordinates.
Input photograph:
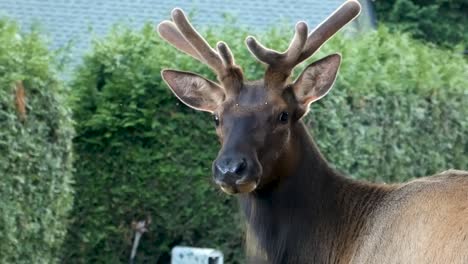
(261, 52)
(209, 56)
(336, 21)
(183, 36)
(302, 46)
(168, 31)
(274, 58)
(226, 54)
(297, 44)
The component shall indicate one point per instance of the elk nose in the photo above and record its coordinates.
(231, 166)
(235, 174)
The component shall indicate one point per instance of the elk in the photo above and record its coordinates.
(298, 209)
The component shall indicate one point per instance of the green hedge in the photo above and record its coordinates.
(35, 147)
(438, 21)
(398, 111)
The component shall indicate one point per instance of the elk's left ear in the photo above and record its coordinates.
(316, 80)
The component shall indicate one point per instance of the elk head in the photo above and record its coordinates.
(254, 119)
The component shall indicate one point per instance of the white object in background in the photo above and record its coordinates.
(191, 255)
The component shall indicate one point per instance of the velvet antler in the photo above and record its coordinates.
(280, 65)
(181, 34)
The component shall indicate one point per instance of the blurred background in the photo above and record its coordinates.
(92, 142)
(78, 21)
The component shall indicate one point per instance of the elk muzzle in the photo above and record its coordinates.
(236, 173)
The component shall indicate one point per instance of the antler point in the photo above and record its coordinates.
(354, 4)
(161, 24)
(301, 26)
(249, 40)
(177, 12)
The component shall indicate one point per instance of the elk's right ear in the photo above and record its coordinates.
(194, 90)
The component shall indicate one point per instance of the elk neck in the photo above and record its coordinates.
(311, 207)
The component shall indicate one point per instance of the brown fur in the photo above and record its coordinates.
(316, 215)
(297, 208)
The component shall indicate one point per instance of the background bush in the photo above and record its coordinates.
(35, 152)
(397, 111)
(438, 21)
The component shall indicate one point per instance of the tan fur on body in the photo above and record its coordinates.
(423, 221)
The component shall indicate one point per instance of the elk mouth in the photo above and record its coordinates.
(240, 186)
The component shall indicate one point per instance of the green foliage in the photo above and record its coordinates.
(438, 21)
(35, 160)
(140, 152)
(397, 111)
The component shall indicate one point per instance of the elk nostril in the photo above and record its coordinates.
(241, 166)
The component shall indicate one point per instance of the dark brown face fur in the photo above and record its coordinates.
(254, 129)
(253, 121)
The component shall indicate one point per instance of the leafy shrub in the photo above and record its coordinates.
(35, 147)
(397, 112)
(437, 21)
(129, 142)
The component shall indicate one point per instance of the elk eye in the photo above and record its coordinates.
(283, 117)
(216, 120)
